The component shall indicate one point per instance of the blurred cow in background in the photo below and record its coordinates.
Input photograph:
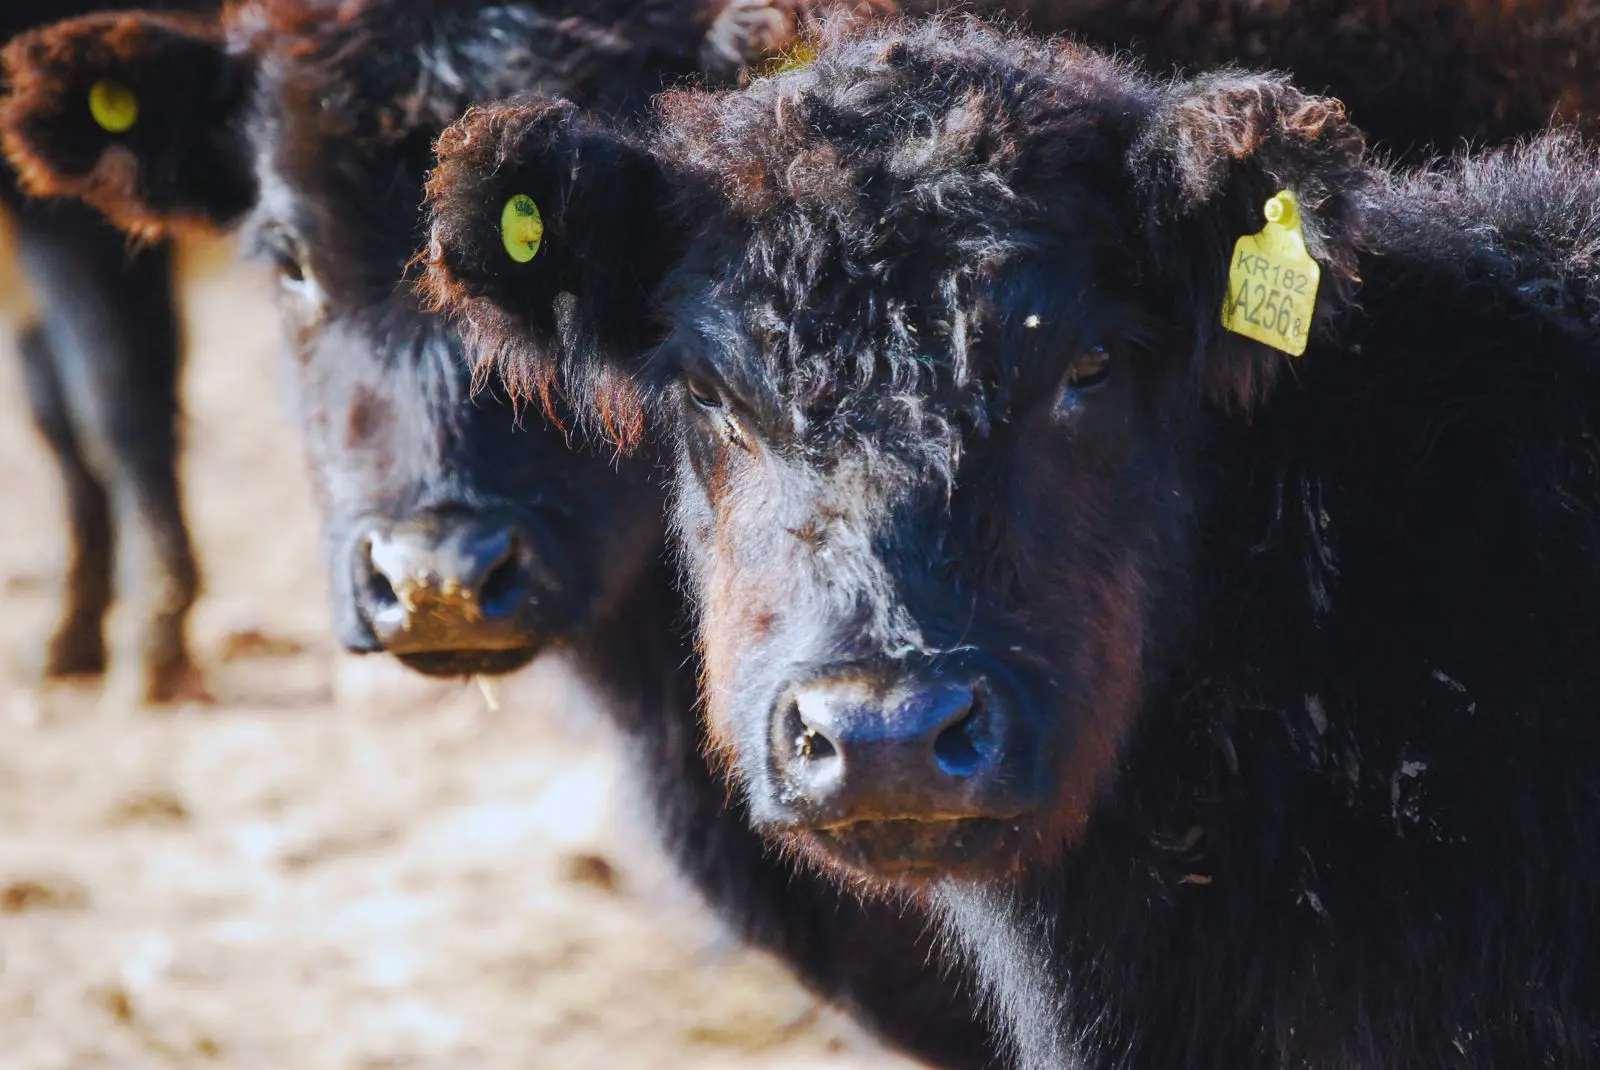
(100, 365)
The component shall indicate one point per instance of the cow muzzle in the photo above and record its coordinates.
(906, 776)
(448, 592)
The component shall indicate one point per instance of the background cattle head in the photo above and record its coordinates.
(934, 322)
(457, 539)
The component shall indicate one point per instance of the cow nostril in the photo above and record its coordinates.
(379, 591)
(956, 747)
(813, 745)
(502, 587)
(810, 744)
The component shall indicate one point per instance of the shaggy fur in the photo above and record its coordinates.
(1299, 649)
(343, 100)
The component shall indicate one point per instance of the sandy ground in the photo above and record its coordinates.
(338, 865)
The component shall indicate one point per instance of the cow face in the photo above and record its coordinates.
(459, 539)
(939, 348)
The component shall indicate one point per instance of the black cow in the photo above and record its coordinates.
(100, 367)
(1236, 708)
(1414, 74)
(458, 540)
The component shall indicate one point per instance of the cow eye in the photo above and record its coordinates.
(703, 395)
(279, 246)
(708, 399)
(1089, 368)
(289, 267)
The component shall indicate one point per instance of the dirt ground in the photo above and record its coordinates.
(337, 865)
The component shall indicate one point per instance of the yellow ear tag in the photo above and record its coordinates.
(113, 106)
(1272, 281)
(798, 58)
(521, 228)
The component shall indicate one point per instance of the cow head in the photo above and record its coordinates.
(458, 540)
(935, 325)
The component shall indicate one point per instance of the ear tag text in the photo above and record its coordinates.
(1272, 281)
(521, 228)
(113, 106)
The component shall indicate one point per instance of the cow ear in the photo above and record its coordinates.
(549, 234)
(748, 34)
(138, 114)
(1214, 152)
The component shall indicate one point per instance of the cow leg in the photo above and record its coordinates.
(110, 323)
(77, 644)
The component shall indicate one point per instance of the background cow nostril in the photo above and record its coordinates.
(379, 591)
(813, 745)
(502, 587)
(806, 742)
(956, 747)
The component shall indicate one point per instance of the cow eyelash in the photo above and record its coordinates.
(276, 244)
(709, 401)
(1089, 369)
(704, 396)
(1086, 373)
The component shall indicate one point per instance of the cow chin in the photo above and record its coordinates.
(453, 664)
(914, 853)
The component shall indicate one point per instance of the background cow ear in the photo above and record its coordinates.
(549, 234)
(1212, 155)
(745, 34)
(135, 113)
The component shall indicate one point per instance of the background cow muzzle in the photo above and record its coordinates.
(448, 591)
(901, 772)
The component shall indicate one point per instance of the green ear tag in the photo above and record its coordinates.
(1272, 281)
(521, 228)
(113, 106)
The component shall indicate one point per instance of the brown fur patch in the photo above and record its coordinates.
(1112, 656)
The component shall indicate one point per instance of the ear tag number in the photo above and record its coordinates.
(521, 228)
(114, 107)
(1272, 281)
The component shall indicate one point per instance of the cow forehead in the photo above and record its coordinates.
(873, 212)
(932, 118)
(908, 331)
(382, 69)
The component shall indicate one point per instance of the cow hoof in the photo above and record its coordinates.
(173, 681)
(177, 682)
(74, 654)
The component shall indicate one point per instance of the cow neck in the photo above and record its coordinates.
(1358, 559)
(877, 960)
